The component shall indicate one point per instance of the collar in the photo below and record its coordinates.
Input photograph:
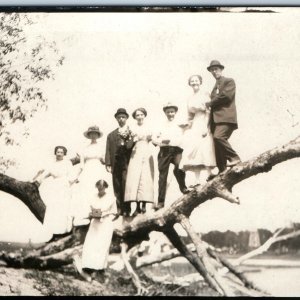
(123, 128)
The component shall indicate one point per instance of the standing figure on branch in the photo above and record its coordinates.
(169, 140)
(140, 175)
(57, 219)
(118, 150)
(223, 116)
(90, 169)
(198, 156)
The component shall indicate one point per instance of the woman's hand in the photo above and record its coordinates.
(108, 169)
(183, 126)
(73, 181)
(166, 142)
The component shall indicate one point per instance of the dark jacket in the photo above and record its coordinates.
(223, 101)
(117, 153)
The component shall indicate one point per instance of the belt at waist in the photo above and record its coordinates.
(171, 149)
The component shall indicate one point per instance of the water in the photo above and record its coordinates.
(277, 280)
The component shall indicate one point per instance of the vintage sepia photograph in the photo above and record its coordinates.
(150, 152)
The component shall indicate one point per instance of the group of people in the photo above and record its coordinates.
(108, 184)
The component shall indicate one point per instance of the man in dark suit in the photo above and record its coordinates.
(223, 116)
(118, 151)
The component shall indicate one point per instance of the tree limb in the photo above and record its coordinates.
(192, 258)
(27, 192)
(140, 289)
(203, 255)
(263, 248)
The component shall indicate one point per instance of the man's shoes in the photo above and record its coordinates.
(159, 206)
(137, 212)
(186, 190)
(116, 217)
(233, 162)
(211, 176)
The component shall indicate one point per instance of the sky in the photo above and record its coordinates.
(132, 60)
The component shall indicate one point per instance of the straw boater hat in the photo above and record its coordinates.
(170, 105)
(121, 111)
(92, 129)
(215, 63)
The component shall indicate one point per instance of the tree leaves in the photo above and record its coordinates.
(25, 62)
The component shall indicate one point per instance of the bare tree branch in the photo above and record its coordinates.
(263, 248)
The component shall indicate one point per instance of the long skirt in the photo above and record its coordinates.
(97, 242)
(140, 174)
(57, 198)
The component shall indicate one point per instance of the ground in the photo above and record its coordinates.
(29, 282)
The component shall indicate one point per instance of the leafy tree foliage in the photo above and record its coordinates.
(25, 61)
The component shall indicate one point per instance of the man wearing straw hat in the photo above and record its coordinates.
(118, 150)
(169, 140)
(223, 116)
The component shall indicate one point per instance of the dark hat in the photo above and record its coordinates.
(92, 129)
(215, 63)
(121, 111)
(170, 105)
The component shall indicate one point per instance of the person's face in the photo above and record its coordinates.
(216, 72)
(93, 135)
(139, 116)
(101, 191)
(195, 83)
(170, 113)
(59, 154)
(121, 119)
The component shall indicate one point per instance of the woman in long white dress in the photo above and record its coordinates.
(91, 168)
(57, 219)
(98, 239)
(140, 175)
(198, 155)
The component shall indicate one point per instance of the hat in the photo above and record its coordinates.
(215, 63)
(92, 129)
(170, 105)
(121, 111)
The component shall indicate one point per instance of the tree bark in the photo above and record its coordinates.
(27, 192)
(192, 258)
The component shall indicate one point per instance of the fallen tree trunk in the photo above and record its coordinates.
(132, 233)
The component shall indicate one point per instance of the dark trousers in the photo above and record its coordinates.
(119, 180)
(223, 149)
(166, 156)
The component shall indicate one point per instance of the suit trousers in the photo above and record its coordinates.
(224, 151)
(166, 156)
(119, 180)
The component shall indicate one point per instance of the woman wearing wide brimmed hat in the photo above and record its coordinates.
(90, 170)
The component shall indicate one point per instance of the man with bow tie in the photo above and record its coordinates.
(223, 116)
